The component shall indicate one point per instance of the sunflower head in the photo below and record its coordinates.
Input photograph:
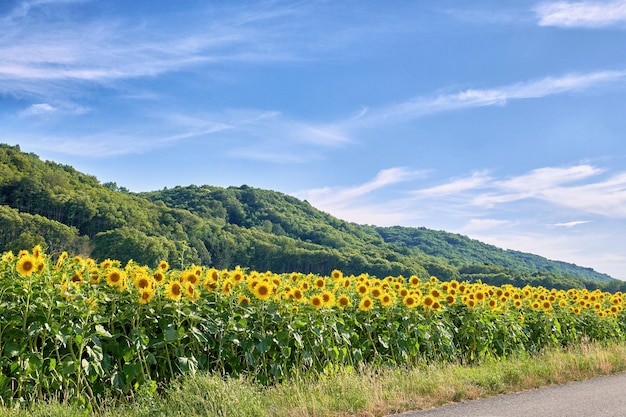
(262, 290)
(145, 296)
(174, 290)
(26, 265)
(317, 302)
(366, 303)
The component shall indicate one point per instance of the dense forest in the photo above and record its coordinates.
(43, 202)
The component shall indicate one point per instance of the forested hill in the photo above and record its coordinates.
(55, 205)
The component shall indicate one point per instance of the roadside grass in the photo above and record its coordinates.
(366, 392)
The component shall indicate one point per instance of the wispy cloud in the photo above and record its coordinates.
(455, 186)
(581, 188)
(39, 55)
(355, 203)
(472, 98)
(590, 14)
(267, 136)
(571, 224)
(46, 109)
(480, 225)
(346, 196)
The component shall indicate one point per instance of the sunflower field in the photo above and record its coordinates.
(73, 329)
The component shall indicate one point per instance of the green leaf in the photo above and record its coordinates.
(101, 331)
(171, 334)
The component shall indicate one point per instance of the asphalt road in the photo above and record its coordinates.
(599, 397)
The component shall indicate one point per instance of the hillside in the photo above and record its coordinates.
(42, 202)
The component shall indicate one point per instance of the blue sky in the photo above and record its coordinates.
(502, 121)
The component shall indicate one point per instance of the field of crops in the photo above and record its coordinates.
(75, 329)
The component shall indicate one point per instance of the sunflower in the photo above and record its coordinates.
(319, 283)
(366, 303)
(428, 301)
(191, 292)
(362, 289)
(38, 252)
(94, 276)
(262, 290)
(328, 298)
(376, 292)
(450, 299)
(236, 275)
(115, 277)
(190, 276)
(106, 264)
(159, 276)
(174, 290)
(144, 283)
(414, 281)
(337, 274)
(26, 265)
(61, 260)
(163, 266)
(77, 277)
(410, 301)
(145, 296)
(317, 302)
(227, 287)
(386, 300)
(343, 301)
(297, 294)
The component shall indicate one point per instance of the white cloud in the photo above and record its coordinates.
(46, 109)
(589, 14)
(582, 188)
(471, 98)
(571, 224)
(38, 109)
(479, 225)
(458, 185)
(350, 202)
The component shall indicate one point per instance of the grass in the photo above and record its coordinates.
(367, 392)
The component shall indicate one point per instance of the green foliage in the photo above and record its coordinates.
(77, 331)
(54, 205)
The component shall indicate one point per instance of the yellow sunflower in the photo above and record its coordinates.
(163, 266)
(174, 290)
(145, 296)
(366, 303)
(337, 274)
(115, 277)
(317, 302)
(26, 265)
(328, 298)
(343, 301)
(191, 292)
(262, 290)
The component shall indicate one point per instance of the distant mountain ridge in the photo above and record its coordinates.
(42, 202)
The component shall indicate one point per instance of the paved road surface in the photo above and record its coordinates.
(599, 397)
